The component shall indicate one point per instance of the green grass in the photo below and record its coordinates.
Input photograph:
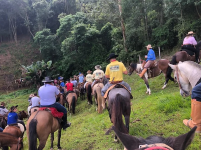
(160, 113)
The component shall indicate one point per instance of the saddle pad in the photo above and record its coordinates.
(115, 86)
(54, 111)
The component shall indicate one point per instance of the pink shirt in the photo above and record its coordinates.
(189, 40)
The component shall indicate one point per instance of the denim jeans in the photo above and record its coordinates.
(58, 106)
(196, 92)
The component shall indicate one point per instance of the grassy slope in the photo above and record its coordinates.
(159, 114)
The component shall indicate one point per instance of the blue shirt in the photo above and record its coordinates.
(81, 79)
(62, 84)
(74, 83)
(12, 118)
(151, 55)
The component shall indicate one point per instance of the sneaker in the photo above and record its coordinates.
(66, 126)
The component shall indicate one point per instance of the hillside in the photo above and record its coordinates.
(158, 114)
(12, 56)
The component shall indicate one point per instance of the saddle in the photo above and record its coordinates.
(53, 111)
(17, 126)
(189, 52)
(97, 81)
(117, 86)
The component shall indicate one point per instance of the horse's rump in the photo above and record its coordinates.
(189, 52)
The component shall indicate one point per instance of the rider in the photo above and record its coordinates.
(3, 110)
(89, 78)
(190, 43)
(115, 71)
(47, 94)
(69, 87)
(13, 119)
(74, 82)
(150, 59)
(97, 74)
(195, 109)
(81, 78)
(35, 101)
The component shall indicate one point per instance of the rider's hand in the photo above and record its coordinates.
(145, 56)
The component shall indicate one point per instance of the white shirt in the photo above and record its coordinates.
(3, 110)
(47, 94)
(35, 101)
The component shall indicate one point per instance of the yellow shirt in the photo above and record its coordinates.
(89, 78)
(98, 74)
(115, 70)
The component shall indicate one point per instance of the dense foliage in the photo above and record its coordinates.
(79, 34)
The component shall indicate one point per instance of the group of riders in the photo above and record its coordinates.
(114, 72)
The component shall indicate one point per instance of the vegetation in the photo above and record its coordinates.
(159, 114)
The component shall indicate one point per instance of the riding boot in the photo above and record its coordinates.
(195, 116)
(143, 72)
(65, 124)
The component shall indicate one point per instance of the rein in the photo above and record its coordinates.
(160, 146)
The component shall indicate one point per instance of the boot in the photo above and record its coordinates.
(65, 124)
(143, 72)
(195, 116)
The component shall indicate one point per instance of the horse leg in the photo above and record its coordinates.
(59, 137)
(42, 144)
(52, 140)
(147, 85)
(127, 121)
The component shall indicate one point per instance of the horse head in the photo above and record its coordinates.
(22, 115)
(133, 143)
(132, 68)
(181, 77)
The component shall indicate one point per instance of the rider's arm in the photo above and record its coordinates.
(194, 41)
(107, 72)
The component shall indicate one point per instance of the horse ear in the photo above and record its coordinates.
(130, 142)
(181, 142)
(172, 66)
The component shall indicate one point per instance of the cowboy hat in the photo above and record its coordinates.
(148, 46)
(13, 107)
(190, 33)
(98, 67)
(89, 71)
(112, 55)
(47, 80)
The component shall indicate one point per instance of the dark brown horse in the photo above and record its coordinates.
(7, 139)
(71, 99)
(22, 115)
(40, 125)
(89, 91)
(160, 67)
(155, 142)
(3, 122)
(183, 56)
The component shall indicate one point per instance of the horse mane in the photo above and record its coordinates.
(7, 139)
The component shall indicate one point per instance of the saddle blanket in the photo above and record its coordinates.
(54, 111)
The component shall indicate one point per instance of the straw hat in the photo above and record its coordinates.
(98, 67)
(190, 33)
(148, 46)
(89, 71)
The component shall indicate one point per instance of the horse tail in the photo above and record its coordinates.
(4, 147)
(73, 104)
(169, 69)
(116, 116)
(32, 135)
(89, 90)
(99, 100)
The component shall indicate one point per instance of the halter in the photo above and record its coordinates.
(177, 75)
(160, 146)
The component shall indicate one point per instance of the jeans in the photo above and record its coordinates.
(108, 85)
(58, 106)
(196, 92)
(1, 130)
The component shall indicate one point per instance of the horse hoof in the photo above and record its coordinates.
(115, 140)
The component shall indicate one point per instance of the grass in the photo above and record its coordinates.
(160, 113)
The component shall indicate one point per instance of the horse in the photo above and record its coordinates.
(39, 125)
(183, 56)
(3, 122)
(81, 89)
(22, 115)
(13, 142)
(187, 74)
(161, 66)
(156, 142)
(71, 99)
(99, 99)
(89, 91)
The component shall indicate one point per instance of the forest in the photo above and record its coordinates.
(76, 35)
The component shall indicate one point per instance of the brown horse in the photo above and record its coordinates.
(89, 91)
(40, 125)
(22, 115)
(13, 142)
(160, 67)
(71, 99)
(3, 122)
(156, 142)
(183, 56)
(99, 99)
(81, 89)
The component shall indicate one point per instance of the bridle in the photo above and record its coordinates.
(177, 76)
(160, 146)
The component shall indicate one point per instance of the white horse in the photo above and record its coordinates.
(188, 75)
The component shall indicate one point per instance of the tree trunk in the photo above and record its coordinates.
(122, 25)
